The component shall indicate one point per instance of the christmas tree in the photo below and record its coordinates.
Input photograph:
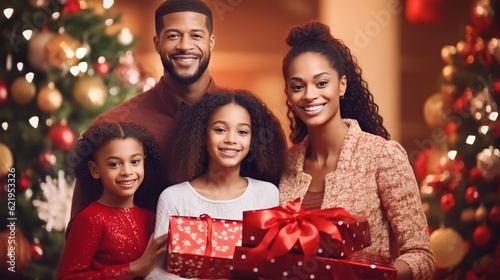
(460, 173)
(62, 63)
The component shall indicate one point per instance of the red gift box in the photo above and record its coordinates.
(360, 265)
(328, 232)
(202, 247)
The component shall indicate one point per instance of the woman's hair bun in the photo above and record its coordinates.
(313, 30)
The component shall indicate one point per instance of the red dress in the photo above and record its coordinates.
(103, 241)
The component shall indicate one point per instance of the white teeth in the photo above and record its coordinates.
(229, 151)
(185, 59)
(313, 108)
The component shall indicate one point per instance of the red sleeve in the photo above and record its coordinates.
(80, 248)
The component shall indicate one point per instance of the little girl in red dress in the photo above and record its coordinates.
(112, 238)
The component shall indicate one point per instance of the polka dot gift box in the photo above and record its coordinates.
(328, 232)
(202, 247)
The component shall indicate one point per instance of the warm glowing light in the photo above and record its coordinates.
(20, 66)
(81, 53)
(83, 66)
(34, 121)
(8, 12)
(5, 125)
(27, 34)
(29, 77)
(493, 116)
(107, 3)
(452, 154)
(470, 139)
(101, 59)
(484, 129)
(74, 70)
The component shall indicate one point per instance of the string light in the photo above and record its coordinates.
(74, 70)
(20, 66)
(493, 116)
(27, 34)
(29, 77)
(8, 12)
(107, 3)
(34, 121)
(83, 66)
(5, 126)
(452, 154)
(484, 129)
(470, 139)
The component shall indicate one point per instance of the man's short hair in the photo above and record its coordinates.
(174, 6)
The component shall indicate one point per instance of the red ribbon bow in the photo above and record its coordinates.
(292, 223)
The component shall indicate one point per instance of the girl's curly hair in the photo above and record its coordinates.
(189, 154)
(101, 133)
(357, 102)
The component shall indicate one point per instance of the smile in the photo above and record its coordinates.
(313, 108)
(229, 151)
(126, 183)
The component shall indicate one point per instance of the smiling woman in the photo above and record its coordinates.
(342, 156)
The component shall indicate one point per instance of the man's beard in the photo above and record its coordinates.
(185, 80)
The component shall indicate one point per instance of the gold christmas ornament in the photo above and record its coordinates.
(436, 108)
(482, 105)
(61, 50)
(7, 160)
(49, 99)
(22, 91)
(480, 214)
(90, 92)
(447, 53)
(37, 55)
(488, 163)
(468, 215)
(448, 247)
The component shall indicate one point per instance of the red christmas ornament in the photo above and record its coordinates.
(421, 163)
(472, 195)
(62, 137)
(3, 93)
(482, 235)
(451, 131)
(71, 6)
(36, 252)
(424, 11)
(447, 201)
(495, 214)
(102, 68)
(496, 86)
(47, 159)
(475, 175)
(24, 182)
(484, 17)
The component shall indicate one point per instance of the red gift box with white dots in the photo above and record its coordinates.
(202, 247)
(358, 266)
(354, 231)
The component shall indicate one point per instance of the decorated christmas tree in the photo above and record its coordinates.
(62, 63)
(460, 173)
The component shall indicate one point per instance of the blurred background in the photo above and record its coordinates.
(432, 66)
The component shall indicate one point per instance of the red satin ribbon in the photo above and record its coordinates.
(208, 220)
(292, 223)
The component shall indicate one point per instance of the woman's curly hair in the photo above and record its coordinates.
(189, 153)
(357, 102)
(97, 135)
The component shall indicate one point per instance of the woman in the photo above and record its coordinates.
(342, 155)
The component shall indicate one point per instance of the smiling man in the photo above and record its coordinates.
(184, 41)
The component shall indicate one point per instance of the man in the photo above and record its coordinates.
(184, 41)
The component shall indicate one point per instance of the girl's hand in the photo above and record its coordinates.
(155, 249)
